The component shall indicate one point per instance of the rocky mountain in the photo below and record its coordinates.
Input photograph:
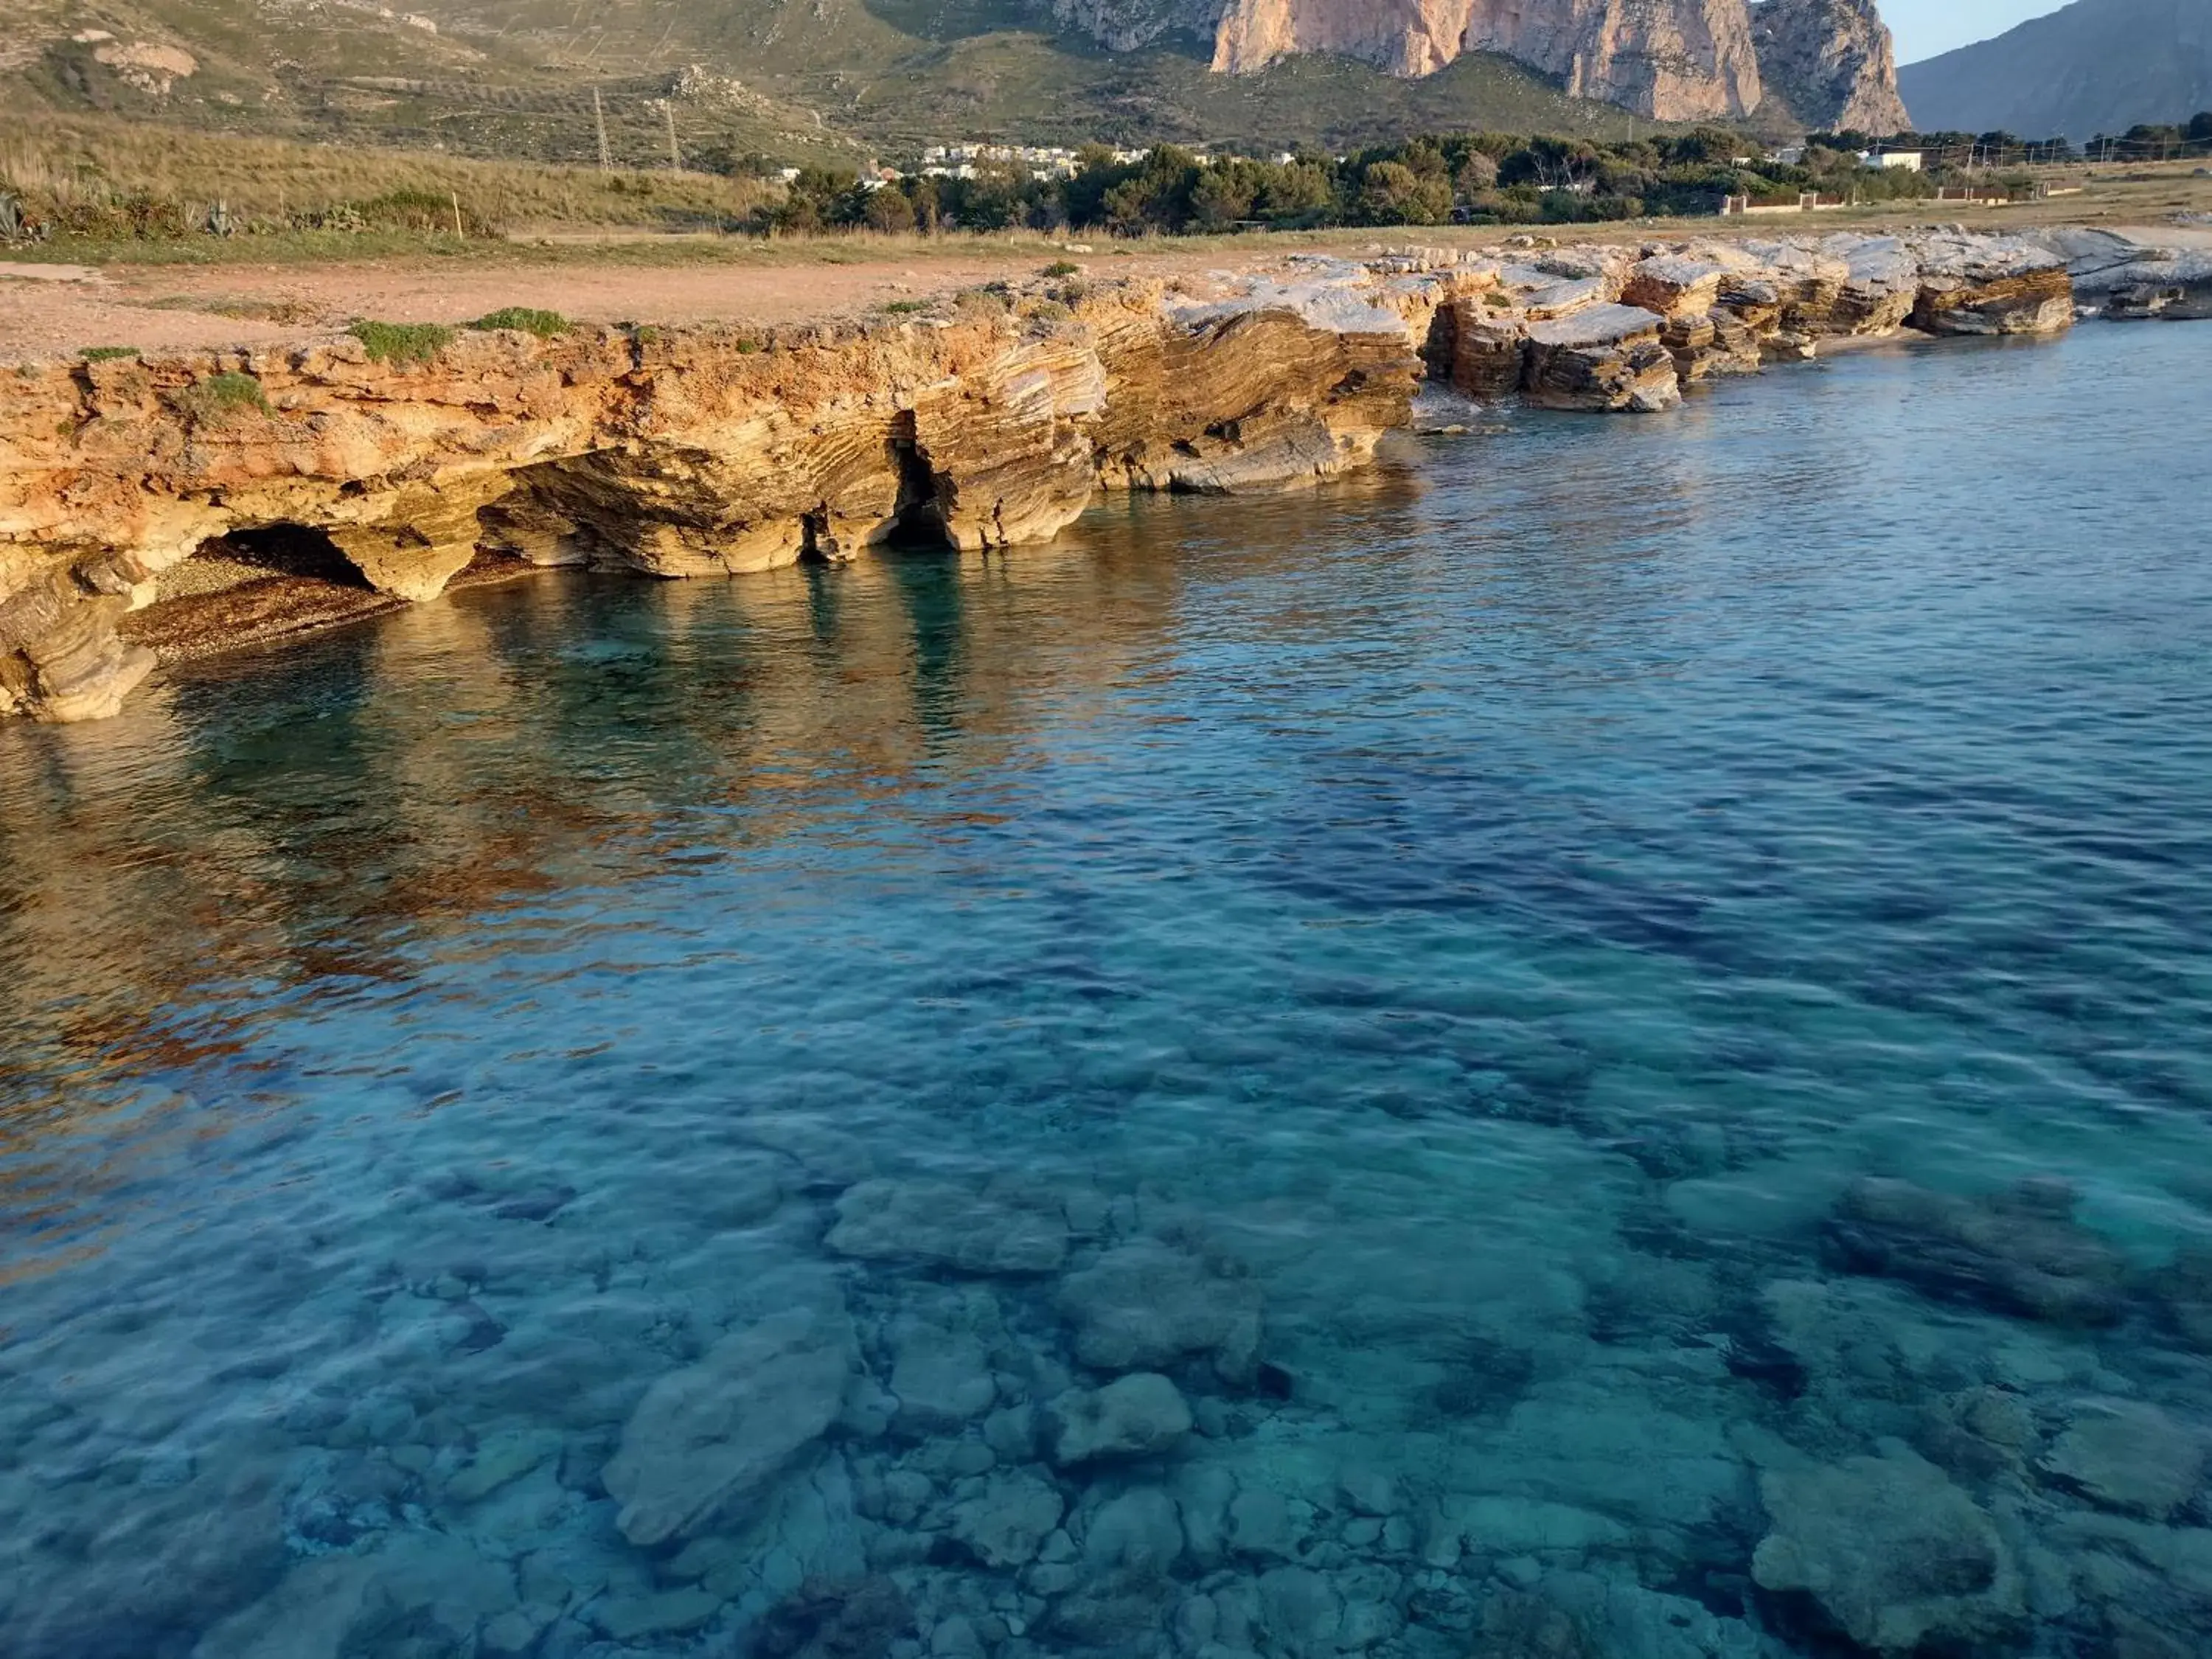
(1676, 60)
(1833, 61)
(1830, 62)
(2098, 66)
(518, 78)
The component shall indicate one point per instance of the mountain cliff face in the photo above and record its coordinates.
(1833, 61)
(2098, 66)
(1674, 60)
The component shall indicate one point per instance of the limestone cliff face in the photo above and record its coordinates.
(682, 453)
(1676, 60)
(1833, 61)
(127, 486)
(1410, 37)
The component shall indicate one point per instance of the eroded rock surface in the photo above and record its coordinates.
(710, 1437)
(1889, 1552)
(990, 424)
(2021, 1252)
(1140, 1415)
(1148, 1304)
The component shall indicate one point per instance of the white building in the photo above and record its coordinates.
(1907, 160)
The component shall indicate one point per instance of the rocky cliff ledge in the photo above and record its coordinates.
(131, 488)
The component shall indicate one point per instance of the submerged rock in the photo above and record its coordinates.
(2126, 1455)
(712, 1437)
(1890, 1553)
(835, 1618)
(1007, 1524)
(974, 1231)
(1518, 1625)
(2021, 1252)
(1145, 1305)
(1140, 1415)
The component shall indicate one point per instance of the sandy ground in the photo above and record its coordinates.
(183, 307)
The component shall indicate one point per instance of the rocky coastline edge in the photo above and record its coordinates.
(153, 509)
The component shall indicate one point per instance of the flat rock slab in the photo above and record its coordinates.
(1600, 325)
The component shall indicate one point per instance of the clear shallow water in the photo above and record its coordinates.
(1482, 920)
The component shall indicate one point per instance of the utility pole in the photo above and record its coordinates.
(675, 158)
(600, 115)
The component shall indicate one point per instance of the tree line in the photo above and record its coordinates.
(1478, 177)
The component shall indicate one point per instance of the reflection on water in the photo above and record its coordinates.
(1593, 1046)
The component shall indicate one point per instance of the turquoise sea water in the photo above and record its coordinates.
(1620, 1007)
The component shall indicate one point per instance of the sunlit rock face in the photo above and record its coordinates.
(696, 452)
(1831, 62)
(1676, 61)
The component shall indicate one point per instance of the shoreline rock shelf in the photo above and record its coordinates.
(992, 421)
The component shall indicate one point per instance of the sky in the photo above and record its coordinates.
(1925, 28)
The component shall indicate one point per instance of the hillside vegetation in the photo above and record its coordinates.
(811, 82)
(102, 179)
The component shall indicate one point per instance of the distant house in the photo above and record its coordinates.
(1790, 155)
(1907, 159)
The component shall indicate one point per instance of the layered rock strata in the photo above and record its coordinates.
(699, 452)
(130, 483)
(1607, 329)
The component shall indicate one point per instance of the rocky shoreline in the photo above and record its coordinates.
(153, 509)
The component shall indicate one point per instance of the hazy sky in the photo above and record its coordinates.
(1925, 28)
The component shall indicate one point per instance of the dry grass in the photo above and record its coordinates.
(92, 170)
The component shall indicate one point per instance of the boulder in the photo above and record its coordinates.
(835, 1618)
(2123, 1455)
(709, 1439)
(1146, 1305)
(1301, 1613)
(1141, 1415)
(1674, 284)
(1137, 1536)
(942, 1378)
(2020, 1252)
(973, 1230)
(1004, 1525)
(1991, 286)
(1607, 359)
(1518, 1625)
(1887, 1551)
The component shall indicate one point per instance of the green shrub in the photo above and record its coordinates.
(1062, 268)
(223, 398)
(905, 308)
(546, 325)
(107, 354)
(402, 344)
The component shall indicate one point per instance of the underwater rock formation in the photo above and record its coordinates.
(2022, 1252)
(1891, 1553)
(713, 1435)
